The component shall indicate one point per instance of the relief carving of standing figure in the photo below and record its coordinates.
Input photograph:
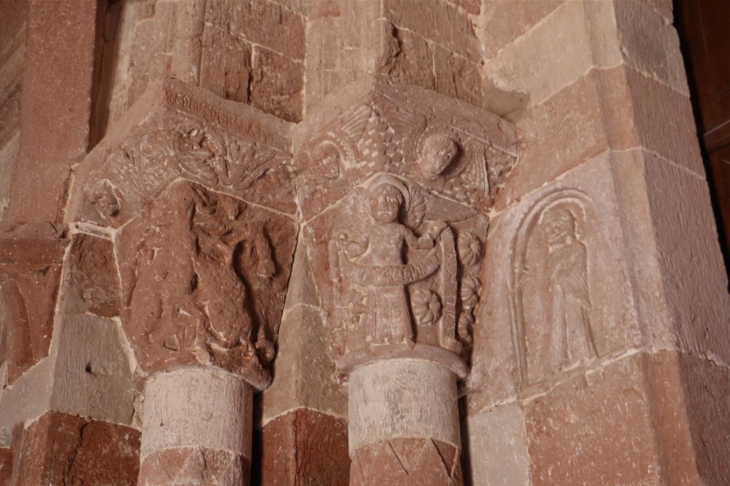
(381, 246)
(570, 332)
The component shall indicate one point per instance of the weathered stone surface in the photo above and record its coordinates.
(180, 131)
(503, 22)
(553, 55)
(565, 287)
(650, 44)
(412, 62)
(9, 115)
(497, 448)
(53, 96)
(303, 370)
(406, 462)
(194, 465)
(92, 282)
(26, 399)
(8, 155)
(203, 279)
(374, 126)
(693, 280)
(30, 272)
(261, 22)
(226, 65)
(706, 386)
(92, 375)
(401, 399)
(457, 77)
(438, 21)
(302, 447)
(176, 401)
(276, 85)
(6, 466)
(63, 449)
(601, 427)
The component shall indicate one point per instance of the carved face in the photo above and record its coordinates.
(385, 203)
(559, 224)
(438, 153)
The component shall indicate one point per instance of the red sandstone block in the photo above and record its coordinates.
(706, 386)
(471, 6)
(11, 23)
(602, 428)
(226, 65)
(304, 447)
(10, 116)
(277, 84)
(63, 449)
(412, 61)
(437, 21)
(6, 466)
(260, 22)
(693, 276)
(56, 105)
(457, 77)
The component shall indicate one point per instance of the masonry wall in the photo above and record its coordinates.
(605, 133)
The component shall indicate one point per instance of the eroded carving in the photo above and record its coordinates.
(394, 268)
(553, 300)
(204, 277)
(447, 156)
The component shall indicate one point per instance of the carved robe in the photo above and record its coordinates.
(570, 332)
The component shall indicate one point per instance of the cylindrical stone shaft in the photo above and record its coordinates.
(404, 424)
(197, 429)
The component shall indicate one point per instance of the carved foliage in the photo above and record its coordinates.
(394, 268)
(181, 145)
(382, 137)
(203, 281)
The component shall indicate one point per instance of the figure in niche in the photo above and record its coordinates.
(570, 333)
(381, 245)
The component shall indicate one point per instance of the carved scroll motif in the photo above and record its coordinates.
(552, 301)
(147, 162)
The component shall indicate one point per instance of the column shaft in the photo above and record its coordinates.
(197, 429)
(404, 424)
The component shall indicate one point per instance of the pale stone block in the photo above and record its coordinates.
(195, 407)
(8, 154)
(553, 55)
(497, 447)
(403, 398)
(29, 397)
(501, 22)
(93, 376)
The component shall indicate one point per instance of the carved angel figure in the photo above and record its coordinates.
(571, 339)
(381, 246)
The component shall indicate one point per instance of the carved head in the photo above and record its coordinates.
(559, 224)
(385, 203)
(438, 152)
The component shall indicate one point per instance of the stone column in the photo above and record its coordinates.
(197, 196)
(197, 427)
(395, 185)
(404, 424)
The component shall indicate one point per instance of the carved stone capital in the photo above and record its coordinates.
(197, 194)
(395, 183)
